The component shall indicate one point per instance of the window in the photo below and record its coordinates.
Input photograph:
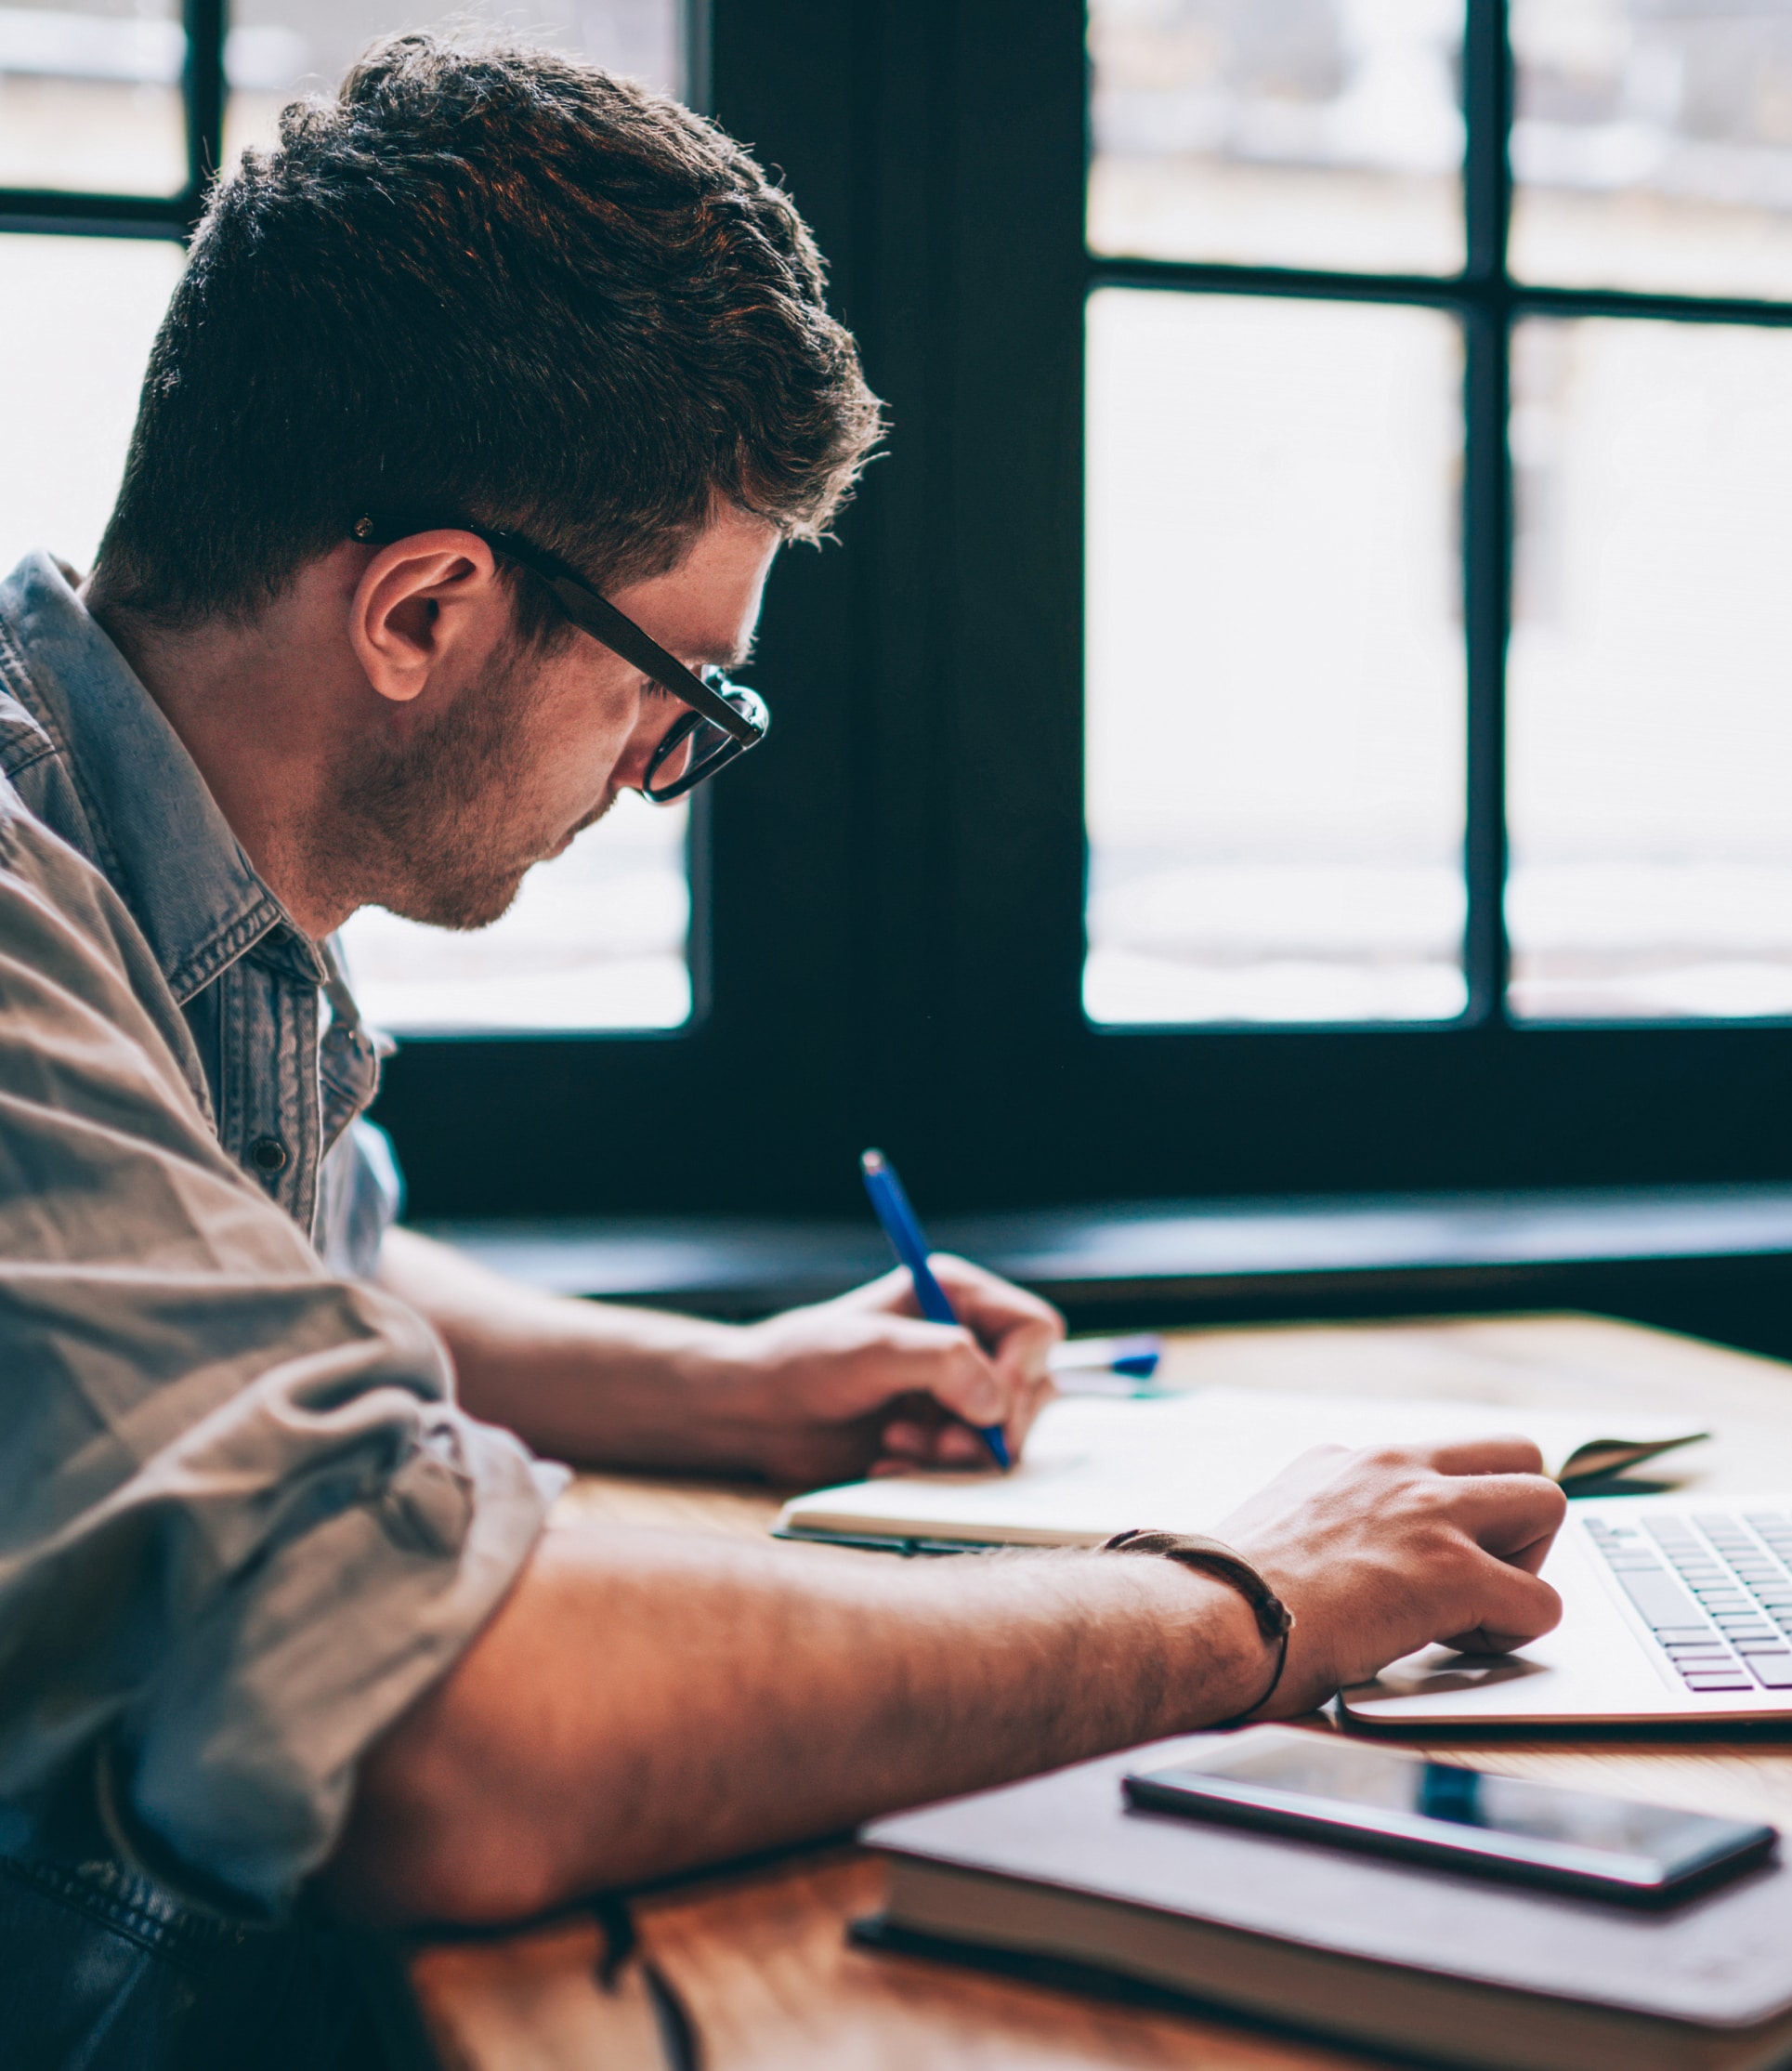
(91, 102)
(1649, 678)
(1275, 787)
(1300, 707)
(1276, 642)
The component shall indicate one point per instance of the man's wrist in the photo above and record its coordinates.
(710, 1391)
(1220, 1662)
(1204, 1555)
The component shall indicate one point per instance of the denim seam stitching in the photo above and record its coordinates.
(24, 687)
(180, 1943)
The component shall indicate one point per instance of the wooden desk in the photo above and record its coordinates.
(760, 1960)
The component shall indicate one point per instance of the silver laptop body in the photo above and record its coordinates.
(1674, 1607)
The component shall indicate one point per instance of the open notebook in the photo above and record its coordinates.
(1182, 1463)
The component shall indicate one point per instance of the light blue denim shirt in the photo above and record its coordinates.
(243, 1523)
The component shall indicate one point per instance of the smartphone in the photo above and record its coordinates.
(1320, 1787)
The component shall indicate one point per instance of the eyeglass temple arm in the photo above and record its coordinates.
(620, 633)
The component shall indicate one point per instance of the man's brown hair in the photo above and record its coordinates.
(493, 285)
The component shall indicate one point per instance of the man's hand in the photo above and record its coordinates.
(1382, 1551)
(862, 1383)
(813, 1395)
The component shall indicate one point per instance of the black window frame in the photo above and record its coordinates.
(71, 212)
(888, 936)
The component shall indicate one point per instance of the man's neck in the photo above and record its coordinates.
(260, 743)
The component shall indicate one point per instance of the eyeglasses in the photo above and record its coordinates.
(723, 720)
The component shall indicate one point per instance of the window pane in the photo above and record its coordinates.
(1304, 133)
(90, 97)
(1654, 144)
(280, 48)
(597, 938)
(1276, 679)
(76, 365)
(1651, 693)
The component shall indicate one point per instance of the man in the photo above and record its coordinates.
(474, 425)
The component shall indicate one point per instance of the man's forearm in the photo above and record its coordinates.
(813, 1396)
(646, 1701)
(587, 1381)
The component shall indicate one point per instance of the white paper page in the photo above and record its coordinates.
(1182, 1463)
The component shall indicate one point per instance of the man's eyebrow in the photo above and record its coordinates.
(731, 654)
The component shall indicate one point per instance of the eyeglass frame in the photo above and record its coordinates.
(592, 613)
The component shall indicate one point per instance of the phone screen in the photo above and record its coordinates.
(1339, 1790)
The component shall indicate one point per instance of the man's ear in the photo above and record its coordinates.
(417, 601)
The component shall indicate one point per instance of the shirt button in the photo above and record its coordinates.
(269, 1154)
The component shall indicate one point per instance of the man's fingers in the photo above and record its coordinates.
(1037, 1393)
(1515, 1607)
(1532, 1558)
(1500, 1452)
(988, 1303)
(1009, 1331)
(907, 1439)
(1022, 1358)
(1508, 1513)
(892, 1293)
(936, 1360)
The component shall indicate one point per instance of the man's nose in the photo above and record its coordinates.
(656, 718)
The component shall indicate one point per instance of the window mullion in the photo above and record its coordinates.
(1486, 495)
(202, 88)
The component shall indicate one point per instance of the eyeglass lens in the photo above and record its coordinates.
(695, 748)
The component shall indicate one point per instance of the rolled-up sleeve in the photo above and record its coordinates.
(243, 1523)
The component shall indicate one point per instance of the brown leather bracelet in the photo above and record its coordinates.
(1213, 1556)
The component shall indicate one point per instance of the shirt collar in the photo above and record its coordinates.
(163, 838)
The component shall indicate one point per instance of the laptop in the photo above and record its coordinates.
(1674, 1607)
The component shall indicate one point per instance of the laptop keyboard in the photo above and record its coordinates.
(1714, 1588)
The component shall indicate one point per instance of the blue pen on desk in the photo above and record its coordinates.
(910, 1247)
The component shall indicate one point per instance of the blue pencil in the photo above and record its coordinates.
(910, 1247)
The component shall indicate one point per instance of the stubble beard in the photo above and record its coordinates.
(427, 828)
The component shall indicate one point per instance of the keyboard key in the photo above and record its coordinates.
(1752, 1647)
(1774, 1672)
(1715, 1679)
(1671, 1636)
